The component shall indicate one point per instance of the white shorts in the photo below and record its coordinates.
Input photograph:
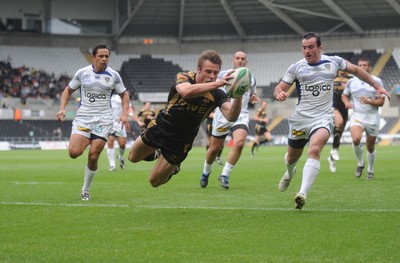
(88, 125)
(369, 121)
(118, 130)
(301, 128)
(222, 126)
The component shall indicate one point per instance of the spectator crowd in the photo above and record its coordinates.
(24, 82)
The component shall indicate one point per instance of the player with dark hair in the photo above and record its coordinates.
(312, 121)
(94, 119)
(190, 101)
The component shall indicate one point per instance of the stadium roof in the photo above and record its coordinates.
(243, 20)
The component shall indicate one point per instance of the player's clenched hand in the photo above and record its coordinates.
(281, 96)
(61, 115)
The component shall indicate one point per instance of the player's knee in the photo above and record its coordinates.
(370, 148)
(74, 153)
(93, 157)
(357, 140)
(154, 182)
(314, 152)
(240, 144)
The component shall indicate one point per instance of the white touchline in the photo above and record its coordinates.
(28, 183)
(198, 207)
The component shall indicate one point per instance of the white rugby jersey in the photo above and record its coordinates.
(356, 88)
(116, 105)
(96, 89)
(314, 84)
(246, 96)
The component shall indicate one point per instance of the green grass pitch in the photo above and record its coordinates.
(344, 220)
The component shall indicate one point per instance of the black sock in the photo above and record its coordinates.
(254, 146)
(337, 134)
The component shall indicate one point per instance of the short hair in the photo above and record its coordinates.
(96, 48)
(210, 55)
(309, 35)
(366, 60)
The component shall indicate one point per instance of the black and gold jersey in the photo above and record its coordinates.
(181, 118)
(339, 83)
(261, 114)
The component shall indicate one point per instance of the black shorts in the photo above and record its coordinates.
(344, 112)
(174, 150)
(301, 143)
(260, 129)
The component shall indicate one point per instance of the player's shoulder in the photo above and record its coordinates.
(378, 80)
(112, 71)
(185, 76)
(335, 59)
(352, 81)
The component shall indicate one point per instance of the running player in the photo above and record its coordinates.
(365, 117)
(94, 119)
(261, 127)
(312, 120)
(222, 127)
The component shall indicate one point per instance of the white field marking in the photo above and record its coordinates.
(29, 183)
(88, 204)
(63, 204)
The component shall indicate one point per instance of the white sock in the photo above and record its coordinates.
(121, 154)
(290, 167)
(310, 172)
(358, 150)
(227, 169)
(111, 156)
(89, 175)
(207, 168)
(371, 161)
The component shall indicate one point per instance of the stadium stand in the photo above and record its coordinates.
(391, 74)
(54, 60)
(148, 74)
(25, 82)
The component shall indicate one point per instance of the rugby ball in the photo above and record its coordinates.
(240, 83)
